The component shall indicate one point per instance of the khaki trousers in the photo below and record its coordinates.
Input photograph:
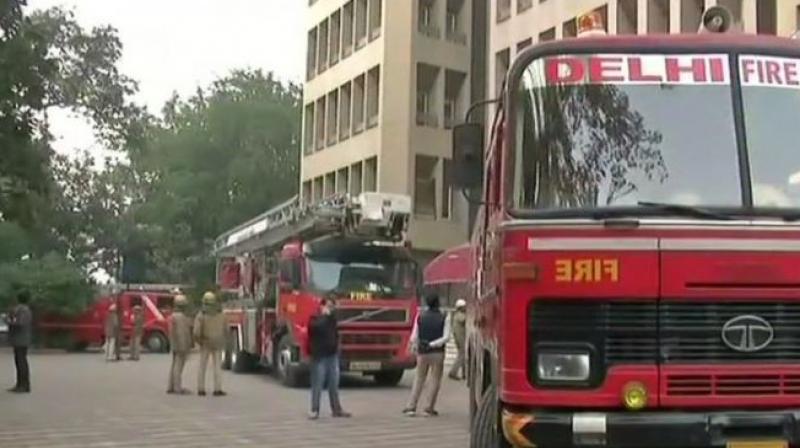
(175, 383)
(429, 363)
(136, 346)
(216, 358)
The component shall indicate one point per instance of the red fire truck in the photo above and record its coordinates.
(88, 328)
(283, 262)
(637, 267)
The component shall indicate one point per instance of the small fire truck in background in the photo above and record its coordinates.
(282, 263)
(88, 328)
(637, 252)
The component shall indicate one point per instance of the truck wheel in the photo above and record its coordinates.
(389, 378)
(156, 342)
(240, 361)
(485, 432)
(227, 353)
(287, 374)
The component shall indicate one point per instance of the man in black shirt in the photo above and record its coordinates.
(20, 329)
(323, 336)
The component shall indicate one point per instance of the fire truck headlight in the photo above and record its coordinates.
(574, 367)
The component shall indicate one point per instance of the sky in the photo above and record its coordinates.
(177, 45)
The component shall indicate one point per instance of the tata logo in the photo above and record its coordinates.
(747, 334)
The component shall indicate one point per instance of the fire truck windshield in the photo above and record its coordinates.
(626, 131)
(363, 274)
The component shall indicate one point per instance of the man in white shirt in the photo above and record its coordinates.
(428, 340)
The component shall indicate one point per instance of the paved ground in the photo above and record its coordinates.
(80, 401)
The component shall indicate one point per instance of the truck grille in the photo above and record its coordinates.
(370, 339)
(695, 385)
(666, 332)
(372, 315)
(692, 331)
(620, 332)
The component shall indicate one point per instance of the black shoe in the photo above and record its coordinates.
(171, 391)
(431, 413)
(408, 412)
(219, 393)
(342, 414)
(202, 393)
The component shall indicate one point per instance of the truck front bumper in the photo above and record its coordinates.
(661, 429)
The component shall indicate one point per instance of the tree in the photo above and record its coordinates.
(224, 155)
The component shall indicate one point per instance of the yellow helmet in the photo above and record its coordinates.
(209, 298)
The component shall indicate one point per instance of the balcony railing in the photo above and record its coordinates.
(374, 33)
(457, 37)
(372, 121)
(431, 31)
(427, 119)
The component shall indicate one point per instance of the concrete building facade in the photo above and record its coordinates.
(385, 81)
(517, 24)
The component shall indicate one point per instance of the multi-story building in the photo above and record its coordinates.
(516, 24)
(385, 82)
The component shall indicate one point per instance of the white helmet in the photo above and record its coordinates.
(461, 303)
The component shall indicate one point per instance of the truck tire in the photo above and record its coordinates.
(156, 342)
(241, 361)
(389, 378)
(287, 374)
(485, 432)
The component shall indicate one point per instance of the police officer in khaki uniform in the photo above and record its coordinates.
(111, 330)
(138, 331)
(209, 333)
(181, 343)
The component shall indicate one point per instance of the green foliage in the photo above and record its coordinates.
(55, 283)
(223, 156)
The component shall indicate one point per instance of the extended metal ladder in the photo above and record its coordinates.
(377, 216)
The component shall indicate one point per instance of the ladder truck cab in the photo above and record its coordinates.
(636, 252)
(282, 263)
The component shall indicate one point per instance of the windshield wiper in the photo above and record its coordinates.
(684, 210)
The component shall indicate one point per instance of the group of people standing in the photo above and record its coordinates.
(207, 330)
(432, 330)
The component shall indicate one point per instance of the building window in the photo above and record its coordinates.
(371, 175)
(425, 186)
(547, 35)
(569, 29)
(322, 52)
(320, 123)
(306, 192)
(426, 20)
(524, 44)
(658, 16)
(524, 5)
(454, 82)
(308, 129)
(735, 7)
(336, 36)
(453, 32)
(375, 17)
(373, 96)
(766, 17)
(503, 10)
(330, 185)
(358, 104)
(427, 77)
(447, 189)
(355, 178)
(361, 23)
(628, 16)
(502, 59)
(333, 117)
(342, 180)
(347, 29)
(344, 111)
(318, 189)
(311, 57)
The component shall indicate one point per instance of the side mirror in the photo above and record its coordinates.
(468, 156)
(716, 19)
